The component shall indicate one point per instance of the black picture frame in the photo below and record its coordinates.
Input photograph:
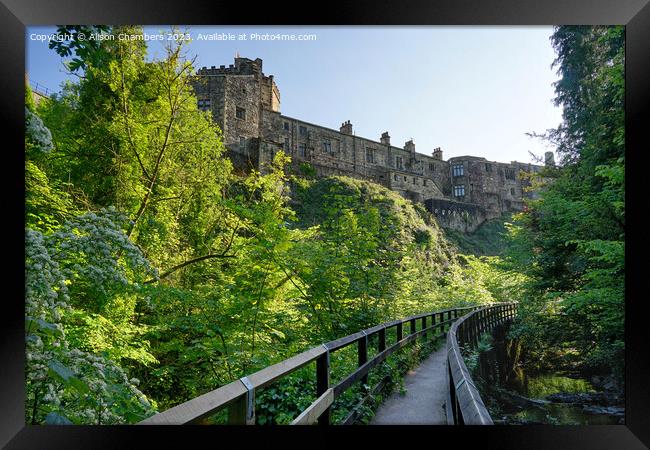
(15, 15)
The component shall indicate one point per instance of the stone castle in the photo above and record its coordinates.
(461, 192)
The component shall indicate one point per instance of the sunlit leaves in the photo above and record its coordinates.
(575, 232)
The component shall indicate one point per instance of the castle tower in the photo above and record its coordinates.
(237, 95)
(437, 153)
(385, 138)
(549, 159)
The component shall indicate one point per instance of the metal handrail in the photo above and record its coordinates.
(39, 88)
(464, 404)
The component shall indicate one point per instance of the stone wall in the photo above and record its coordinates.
(498, 187)
(465, 217)
(238, 94)
(332, 152)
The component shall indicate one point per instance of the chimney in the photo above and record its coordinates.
(409, 146)
(437, 153)
(549, 160)
(346, 127)
(385, 138)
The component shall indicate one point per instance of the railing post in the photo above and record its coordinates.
(381, 344)
(400, 332)
(440, 321)
(452, 393)
(413, 326)
(242, 411)
(323, 383)
(424, 325)
(237, 412)
(363, 355)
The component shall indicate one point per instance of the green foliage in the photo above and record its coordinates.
(87, 51)
(46, 207)
(307, 170)
(286, 399)
(489, 239)
(374, 255)
(472, 356)
(571, 240)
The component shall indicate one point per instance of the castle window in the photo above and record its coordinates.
(240, 113)
(204, 104)
(242, 142)
(512, 191)
(327, 146)
(424, 182)
(286, 126)
(395, 177)
(404, 179)
(415, 180)
(488, 167)
(459, 191)
(432, 167)
(302, 150)
(510, 174)
(398, 163)
(243, 90)
(370, 155)
(286, 145)
(457, 170)
(302, 130)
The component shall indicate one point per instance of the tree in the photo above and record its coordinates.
(575, 232)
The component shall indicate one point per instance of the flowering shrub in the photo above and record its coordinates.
(38, 135)
(89, 255)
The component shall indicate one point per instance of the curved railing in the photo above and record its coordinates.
(239, 396)
(464, 404)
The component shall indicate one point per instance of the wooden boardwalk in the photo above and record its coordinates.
(423, 402)
(427, 388)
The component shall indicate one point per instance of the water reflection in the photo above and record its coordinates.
(514, 395)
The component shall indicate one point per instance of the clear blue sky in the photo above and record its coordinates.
(469, 90)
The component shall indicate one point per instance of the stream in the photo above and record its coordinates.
(516, 395)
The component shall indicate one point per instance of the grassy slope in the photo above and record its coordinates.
(411, 221)
(488, 240)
